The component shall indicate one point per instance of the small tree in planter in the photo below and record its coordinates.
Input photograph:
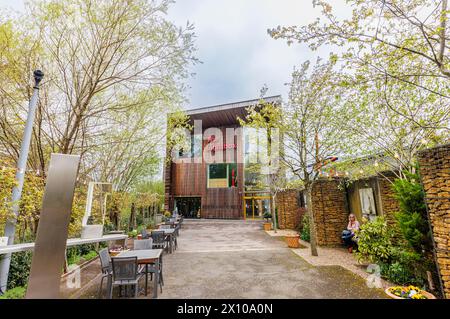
(267, 225)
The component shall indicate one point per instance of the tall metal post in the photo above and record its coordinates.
(10, 227)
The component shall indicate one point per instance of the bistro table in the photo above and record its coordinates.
(174, 224)
(147, 257)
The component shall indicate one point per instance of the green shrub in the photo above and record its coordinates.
(19, 269)
(90, 255)
(375, 241)
(133, 233)
(415, 258)
(108, 227)
(399, 263)
(73, 259)
(398, 274)
(412, 217)
(75, 253)
(304, 228)
(14, 293)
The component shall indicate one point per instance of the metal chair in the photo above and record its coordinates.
(143, 244)
(151, 269)
(165, 227)
(125, 273)
(159, 239)
(145, 234)
(175, 235)
(105, 263)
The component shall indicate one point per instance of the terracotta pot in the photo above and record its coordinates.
(267, 226)
(423, 292)
(292, 241)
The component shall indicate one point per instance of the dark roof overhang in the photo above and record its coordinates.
(226, 114)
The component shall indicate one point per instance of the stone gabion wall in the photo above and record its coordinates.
(389, 204)
(330, 209)
(290, 213)
(435, 173)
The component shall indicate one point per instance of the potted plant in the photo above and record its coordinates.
(167, 215)
(91, 230)
(292, 240)
(267, 225)
(408, 292)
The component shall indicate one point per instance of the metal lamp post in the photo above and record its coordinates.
(10, 227)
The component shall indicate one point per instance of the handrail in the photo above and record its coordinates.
(70, 242)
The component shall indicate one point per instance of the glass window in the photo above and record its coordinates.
(222, 175)
(217, 171)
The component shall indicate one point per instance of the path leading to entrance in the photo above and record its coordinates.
(237, 259)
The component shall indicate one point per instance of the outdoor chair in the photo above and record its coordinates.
(159, 239)
(165, 227)
(125, 273)
(151, 269)
(175, 235)
(106, 267)
(145, 234)
(143, 244)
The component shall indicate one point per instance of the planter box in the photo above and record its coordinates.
(267, 226)
(292, 241)
(91, 231)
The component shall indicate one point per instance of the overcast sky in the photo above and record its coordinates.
(238, 55)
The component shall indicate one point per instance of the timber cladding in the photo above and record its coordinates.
(435, 173)
(189, 179)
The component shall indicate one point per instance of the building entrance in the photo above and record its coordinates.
(189, 207)
(256, 206)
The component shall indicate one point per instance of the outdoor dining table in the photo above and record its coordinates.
(147, 257)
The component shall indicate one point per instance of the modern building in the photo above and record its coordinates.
(213, 179)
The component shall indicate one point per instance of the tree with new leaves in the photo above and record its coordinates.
(308, 125)
(265, 170)
(102, 59)
(114, 69)
(400, 43)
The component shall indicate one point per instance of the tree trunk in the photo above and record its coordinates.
(113, 216)
(132, 222)
(272, 211)
(312, 224)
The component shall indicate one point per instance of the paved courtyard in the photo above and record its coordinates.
(237, 259)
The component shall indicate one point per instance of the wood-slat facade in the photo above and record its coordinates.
(190, 179)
